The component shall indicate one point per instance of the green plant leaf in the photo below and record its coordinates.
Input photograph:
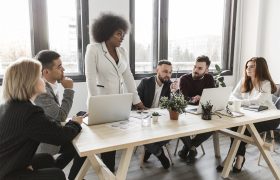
(217, 67)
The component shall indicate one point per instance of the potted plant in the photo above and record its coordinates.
(218, 76)
(206, 110)
(176, 104)
(155, 116)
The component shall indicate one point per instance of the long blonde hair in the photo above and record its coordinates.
(20, 79)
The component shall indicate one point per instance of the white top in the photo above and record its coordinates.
(158, 90)
(104, 76)
(256, 96)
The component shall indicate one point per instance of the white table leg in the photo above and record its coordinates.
(216, 143)
(232, 153)
(265, 153)
(124, 163)
(100, 168)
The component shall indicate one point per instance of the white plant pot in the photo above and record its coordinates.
(155, 118)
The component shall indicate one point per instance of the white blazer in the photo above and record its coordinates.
(104, 76)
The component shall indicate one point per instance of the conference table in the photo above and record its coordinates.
(127, 135)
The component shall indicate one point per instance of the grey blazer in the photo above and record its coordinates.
(58, 113)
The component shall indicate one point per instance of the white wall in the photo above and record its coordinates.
(269, 37)
(258, 34)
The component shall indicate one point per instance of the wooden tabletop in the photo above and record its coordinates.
(102, 138)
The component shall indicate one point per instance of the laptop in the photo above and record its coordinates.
(217, 96)
(108, 108)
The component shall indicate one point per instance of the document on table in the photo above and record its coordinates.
(127, 124)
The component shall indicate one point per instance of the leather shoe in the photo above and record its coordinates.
(164, 160)
(219, 168)
(191, 156)
(183, 153)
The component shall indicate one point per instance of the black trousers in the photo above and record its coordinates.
(67, 153)
(261, 127)
(43, 169)
(196, 141)
(108, 159)
(156, 147)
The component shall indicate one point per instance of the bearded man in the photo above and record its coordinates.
(192, 85)
(150, 90)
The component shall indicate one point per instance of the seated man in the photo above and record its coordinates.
(53, 71)
(150, 91)
(192, 85)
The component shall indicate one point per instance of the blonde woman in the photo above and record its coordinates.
(23, 125)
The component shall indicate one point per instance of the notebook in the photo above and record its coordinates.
(217, 96)
(255, 108)
(108, 108)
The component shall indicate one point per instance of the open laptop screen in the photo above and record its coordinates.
(108, 108)
(217, 96)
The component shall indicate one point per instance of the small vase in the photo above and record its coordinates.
(174, 115)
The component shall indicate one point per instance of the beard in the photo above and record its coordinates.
(197, 76)
(162, 79)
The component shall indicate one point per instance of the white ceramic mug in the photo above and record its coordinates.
(236, 105)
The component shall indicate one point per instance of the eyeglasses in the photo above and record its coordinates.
(120, 34)
(228, 111)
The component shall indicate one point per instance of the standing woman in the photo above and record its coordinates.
(23, 126)
(107, 67)
(255, 88)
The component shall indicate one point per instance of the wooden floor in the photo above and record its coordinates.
(204, 168)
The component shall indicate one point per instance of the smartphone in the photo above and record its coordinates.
(82, 113)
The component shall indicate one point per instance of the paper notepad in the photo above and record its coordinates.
(231, 114)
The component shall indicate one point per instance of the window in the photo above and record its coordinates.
(180, 31)
(14, 32)
(198, 32)
(144, 36)
(61, 26)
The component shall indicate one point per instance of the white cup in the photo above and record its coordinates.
(236, 105)
(145, 120)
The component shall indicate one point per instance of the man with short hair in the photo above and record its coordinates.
(150, 90)
(52, 72)
(192, 85)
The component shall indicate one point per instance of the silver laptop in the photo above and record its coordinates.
(108, 108)
(217, 96)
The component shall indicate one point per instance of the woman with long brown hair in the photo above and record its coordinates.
(255, 88)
